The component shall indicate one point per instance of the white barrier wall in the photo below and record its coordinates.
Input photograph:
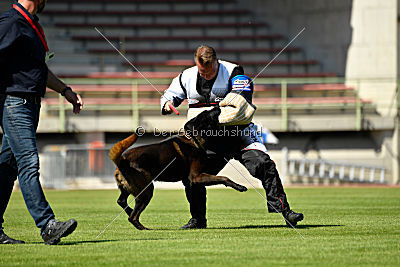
(373, 51)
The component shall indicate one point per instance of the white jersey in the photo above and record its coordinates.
(185, 87)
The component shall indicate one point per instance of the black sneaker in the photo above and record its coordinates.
(195, 224)
(55, 230)
(5, 239)
(292, 217)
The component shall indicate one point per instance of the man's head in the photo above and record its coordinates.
(206, 61)
(40, 5)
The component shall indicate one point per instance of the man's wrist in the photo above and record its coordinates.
(65, 90)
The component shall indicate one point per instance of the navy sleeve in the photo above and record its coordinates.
(237, 71)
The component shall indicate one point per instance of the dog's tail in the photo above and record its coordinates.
(119, 148)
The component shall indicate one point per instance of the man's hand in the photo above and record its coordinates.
(75, 100)
(167, 108)
(54, 83)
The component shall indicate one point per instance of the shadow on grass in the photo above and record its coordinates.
(301, 226)
(69, 243)
(66, 243)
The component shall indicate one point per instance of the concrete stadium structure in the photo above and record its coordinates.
(348, 51)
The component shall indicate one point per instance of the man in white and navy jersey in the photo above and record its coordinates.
(214, 82)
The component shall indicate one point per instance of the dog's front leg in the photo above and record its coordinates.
(208, 179)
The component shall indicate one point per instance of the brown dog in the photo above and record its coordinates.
(174, 159)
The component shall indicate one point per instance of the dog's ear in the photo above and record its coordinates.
(214, 114)
(212, 118)
(206, 120)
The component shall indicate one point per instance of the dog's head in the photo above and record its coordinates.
(203, 125)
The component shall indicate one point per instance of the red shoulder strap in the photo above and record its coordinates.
(37, 28)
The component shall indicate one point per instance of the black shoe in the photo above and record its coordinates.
(291, 217)
(5, 239)
(55, 230)
(195, 224)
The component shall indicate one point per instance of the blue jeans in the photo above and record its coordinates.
(19, 157)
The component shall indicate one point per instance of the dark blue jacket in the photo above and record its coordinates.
(22, 55)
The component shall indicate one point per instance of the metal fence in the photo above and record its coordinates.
(76, 166)
(332, 170)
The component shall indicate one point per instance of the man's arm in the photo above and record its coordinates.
(237, 107)
(174, 96)
(54, 83)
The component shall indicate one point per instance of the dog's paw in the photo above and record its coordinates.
(139, 226)
(241, 188)
(142, 228)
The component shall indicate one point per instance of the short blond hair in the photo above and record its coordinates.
(205, 55)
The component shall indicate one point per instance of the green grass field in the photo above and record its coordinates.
(342, 226)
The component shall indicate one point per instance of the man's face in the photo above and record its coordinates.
(208, 72)
(40, 4)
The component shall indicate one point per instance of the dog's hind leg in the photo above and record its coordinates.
(208, 179)
(123, 200)
(141, 202)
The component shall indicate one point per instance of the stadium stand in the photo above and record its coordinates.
(159, 38)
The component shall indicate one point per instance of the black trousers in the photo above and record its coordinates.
(259, 164)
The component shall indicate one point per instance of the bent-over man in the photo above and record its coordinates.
(214, 82)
